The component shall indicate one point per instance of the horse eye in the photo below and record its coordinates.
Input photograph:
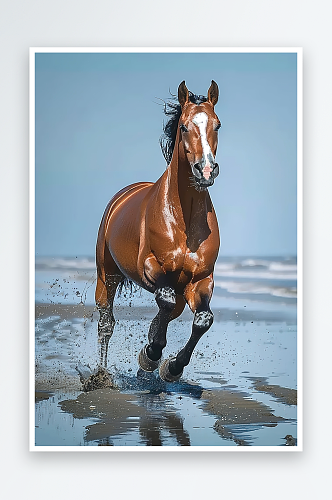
(183, 128)
(217, 127)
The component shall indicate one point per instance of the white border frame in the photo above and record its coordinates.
(299, 52)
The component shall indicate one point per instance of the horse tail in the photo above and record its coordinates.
(127, 287)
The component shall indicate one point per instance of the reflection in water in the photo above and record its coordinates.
(144, 407)
(145, 411)
(159, 419)
(106, 442)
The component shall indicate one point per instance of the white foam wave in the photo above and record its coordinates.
(226, 266)
(257, 269)
(65, 263)
(262, 274)
(282, 266)
(270, 264)
(256, 288)
(255, 262)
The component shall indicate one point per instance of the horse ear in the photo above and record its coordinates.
(213, 93)
(183, 94)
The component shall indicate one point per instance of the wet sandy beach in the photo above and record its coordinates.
(239, 389)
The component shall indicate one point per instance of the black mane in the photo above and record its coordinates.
(173, 109)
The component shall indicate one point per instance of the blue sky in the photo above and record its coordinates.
(98, 123)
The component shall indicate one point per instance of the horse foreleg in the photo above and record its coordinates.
(198, 296)
(150, 355)
(170, 307)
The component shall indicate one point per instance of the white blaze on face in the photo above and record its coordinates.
(201, 119)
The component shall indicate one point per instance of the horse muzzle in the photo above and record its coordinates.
(202, 179)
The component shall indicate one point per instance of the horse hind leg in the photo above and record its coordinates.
(107, 284)
(106, 321)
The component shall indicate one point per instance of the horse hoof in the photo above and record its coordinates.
(147, 364)
(166, 375)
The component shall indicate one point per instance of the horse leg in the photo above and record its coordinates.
(108, 279)
(198, 296)
(106, 321)
(170, 307)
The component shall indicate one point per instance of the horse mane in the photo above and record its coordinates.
(172, 109)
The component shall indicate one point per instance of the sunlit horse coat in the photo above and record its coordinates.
(164, 235)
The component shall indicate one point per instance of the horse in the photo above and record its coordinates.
(164, 236)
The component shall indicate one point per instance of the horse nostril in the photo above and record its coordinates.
(197, 170)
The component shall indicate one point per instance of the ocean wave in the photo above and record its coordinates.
(82, 263)
(248, 268)
(257, 268)
(271, 265)
(267, 275)
(257, 288)
(282, 266)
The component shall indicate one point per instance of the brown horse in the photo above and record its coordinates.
(164, 236)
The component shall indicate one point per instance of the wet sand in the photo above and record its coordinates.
(231, 394)
(283, 394)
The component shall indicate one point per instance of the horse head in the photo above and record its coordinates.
(199, 127)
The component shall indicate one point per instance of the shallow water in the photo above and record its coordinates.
(252, 344)
(227, 358)
(171, 419)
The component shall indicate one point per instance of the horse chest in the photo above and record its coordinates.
(182, 261)
(177, 250)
